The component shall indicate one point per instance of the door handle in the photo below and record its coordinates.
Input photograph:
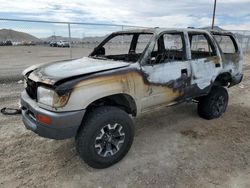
(217, 65)
(184, 72)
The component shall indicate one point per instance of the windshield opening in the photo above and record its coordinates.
(122, 47)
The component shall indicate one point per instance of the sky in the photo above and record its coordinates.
(230, 14)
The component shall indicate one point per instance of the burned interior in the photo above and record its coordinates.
(169, 46)
(129, 46)
(123, 46)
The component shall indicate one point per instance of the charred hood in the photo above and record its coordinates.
(69, 69)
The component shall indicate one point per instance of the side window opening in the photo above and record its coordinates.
(123, 47)
(118, 45)
(142, 42)
(226, 43)
(169, 47)
(201, 46)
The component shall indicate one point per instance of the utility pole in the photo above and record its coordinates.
(215, 1)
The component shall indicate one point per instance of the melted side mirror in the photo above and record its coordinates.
(100, 51)
(152, 60)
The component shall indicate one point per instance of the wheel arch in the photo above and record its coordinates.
(223, 79)
(122, 100)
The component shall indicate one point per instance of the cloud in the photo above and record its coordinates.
(151, 13)
(244, 26)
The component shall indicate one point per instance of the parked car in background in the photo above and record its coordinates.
(6, 43)
(53, 44)
(17, 43)
(63, 43)
(30, 43)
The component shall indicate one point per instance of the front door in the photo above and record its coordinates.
(167, 73)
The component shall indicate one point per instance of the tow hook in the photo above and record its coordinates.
(10, 111)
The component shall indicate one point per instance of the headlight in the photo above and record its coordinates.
(50, 98)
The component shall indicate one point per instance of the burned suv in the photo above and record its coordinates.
(131, 72)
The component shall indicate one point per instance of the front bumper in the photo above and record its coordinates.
(63, 124)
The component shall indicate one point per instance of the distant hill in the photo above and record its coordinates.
(16, 36)
(57, 38)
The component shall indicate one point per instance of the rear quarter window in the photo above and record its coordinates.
(226, 43)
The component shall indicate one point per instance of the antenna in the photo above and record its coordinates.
(215, 2)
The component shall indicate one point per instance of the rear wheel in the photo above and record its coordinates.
(105, 137)
(214, 104)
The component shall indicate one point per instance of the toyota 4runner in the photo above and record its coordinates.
(131, 72)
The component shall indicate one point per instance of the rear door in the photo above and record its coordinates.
(205, 62)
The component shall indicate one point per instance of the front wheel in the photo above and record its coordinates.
(105, 137)
(214, 104)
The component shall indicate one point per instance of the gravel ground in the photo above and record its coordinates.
(173, 147)
(21, 57)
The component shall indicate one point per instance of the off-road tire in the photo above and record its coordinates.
(214, 104)
(95, 122)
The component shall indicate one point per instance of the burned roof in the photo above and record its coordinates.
(158, 30)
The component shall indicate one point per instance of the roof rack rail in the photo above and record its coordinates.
(191, 27)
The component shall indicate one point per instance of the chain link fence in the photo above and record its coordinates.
(244, 39)
(27, 42)
(71, 35)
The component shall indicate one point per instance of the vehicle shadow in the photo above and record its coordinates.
(167, 116)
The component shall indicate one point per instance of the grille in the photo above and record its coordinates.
(31, 89)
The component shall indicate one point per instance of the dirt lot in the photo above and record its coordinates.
(173, 147)
(13, 59)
